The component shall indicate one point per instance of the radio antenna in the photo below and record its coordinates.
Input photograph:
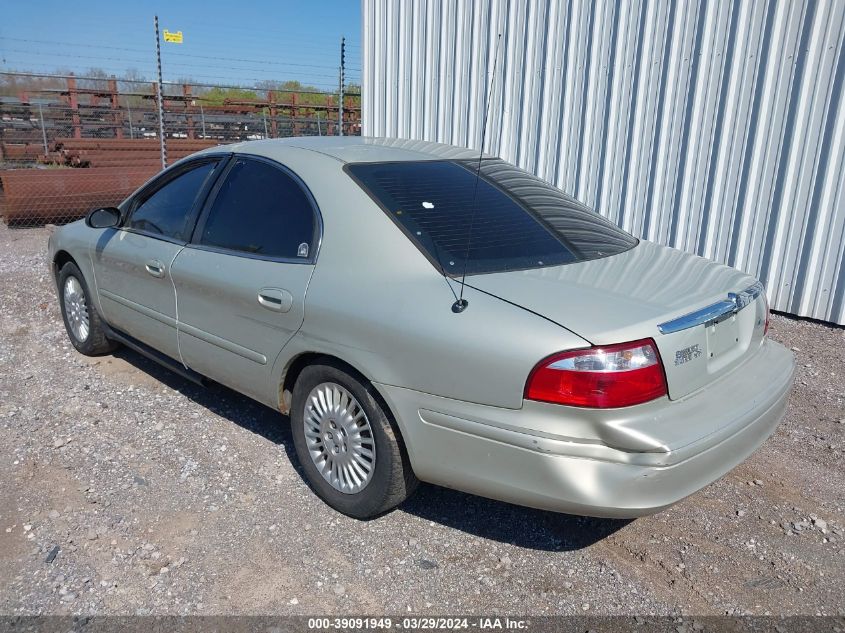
(460, 303)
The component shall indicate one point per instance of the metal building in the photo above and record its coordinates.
(714, 126)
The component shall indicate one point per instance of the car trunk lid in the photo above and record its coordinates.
(644, 293)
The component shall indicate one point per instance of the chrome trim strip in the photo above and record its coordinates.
(137, 307)
(184, 328)
(735, 302)
(222, 343)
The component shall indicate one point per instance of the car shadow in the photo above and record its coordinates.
(485, 518)
(508, 523)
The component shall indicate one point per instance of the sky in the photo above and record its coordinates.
(232, 43)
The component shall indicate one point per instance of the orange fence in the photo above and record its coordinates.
(69, 144)
(77, 175)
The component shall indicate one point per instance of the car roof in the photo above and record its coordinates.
(358, 149)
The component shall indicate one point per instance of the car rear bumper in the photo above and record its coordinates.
(623, 463)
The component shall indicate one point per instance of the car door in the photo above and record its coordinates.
(241, 281)
(132, 263)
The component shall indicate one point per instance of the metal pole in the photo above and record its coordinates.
(160, 100)
(264, 116)
(43, 132)
(319, 131)
(202, 117)
(342, 72)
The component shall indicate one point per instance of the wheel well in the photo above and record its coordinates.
(302, 361)
(299, 363)
(61, 258)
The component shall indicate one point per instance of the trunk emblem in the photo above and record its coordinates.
(687, 354)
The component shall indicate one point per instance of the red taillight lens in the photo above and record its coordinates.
(600, 377)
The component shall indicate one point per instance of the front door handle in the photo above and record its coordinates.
(155, 268)
(275, 299)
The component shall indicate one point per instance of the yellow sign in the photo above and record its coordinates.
(175, 38)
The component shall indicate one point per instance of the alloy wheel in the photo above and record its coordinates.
(76, 309)
(339, 437)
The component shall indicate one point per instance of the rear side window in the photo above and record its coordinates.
(261, 210)
(167, 211)
(519, 222)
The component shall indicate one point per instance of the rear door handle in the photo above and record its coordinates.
(155, 268)
(275, 299)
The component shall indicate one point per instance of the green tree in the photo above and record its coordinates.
(217, 95)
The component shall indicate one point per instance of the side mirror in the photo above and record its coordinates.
(104, 218)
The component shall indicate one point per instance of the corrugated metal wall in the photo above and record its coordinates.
(713, 126)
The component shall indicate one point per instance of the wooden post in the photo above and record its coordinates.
(186, 92)
(294, 114)
(117, 113)
(73, 102)
(330, 116)
(271, 97)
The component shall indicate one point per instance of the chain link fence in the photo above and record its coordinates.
(69, 144)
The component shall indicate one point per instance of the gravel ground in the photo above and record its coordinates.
(126, 490)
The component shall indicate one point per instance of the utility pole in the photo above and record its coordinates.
(342, 78)
(160, 99)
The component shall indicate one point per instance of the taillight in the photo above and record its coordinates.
(600, 377)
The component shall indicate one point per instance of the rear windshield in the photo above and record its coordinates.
(519, 222)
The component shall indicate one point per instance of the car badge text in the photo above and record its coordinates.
(687, 354)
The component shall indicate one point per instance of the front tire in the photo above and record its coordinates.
(82, 321)
(346, 444)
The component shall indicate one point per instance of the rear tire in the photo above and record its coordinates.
(82, 321)
(351, 454)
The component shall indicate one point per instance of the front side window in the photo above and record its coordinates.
(261, 210)
(167, 211)
(504, 220)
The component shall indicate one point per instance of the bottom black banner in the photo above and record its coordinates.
(283, 624)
